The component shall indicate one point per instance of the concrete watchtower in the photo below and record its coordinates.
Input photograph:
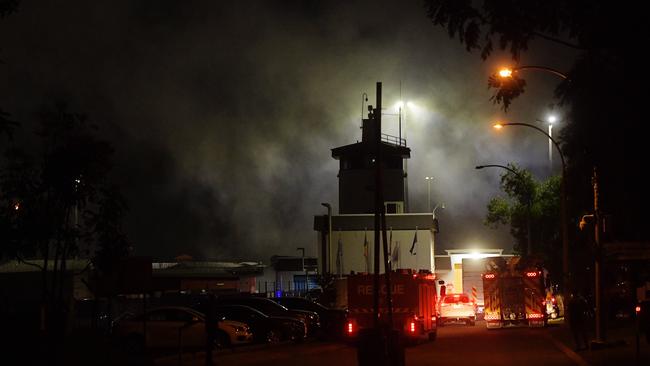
(357, 172)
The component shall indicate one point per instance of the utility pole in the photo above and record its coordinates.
(378, 204)
(598, 262)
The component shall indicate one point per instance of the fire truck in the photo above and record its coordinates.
(414, 298)
(514, 295)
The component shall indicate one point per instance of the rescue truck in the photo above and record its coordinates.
(514, 295)
(414, 304)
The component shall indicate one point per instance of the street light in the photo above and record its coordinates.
(506, 72)
(429, 179)
(563, 203)
(529, 250)
(329, 236)
(551, 120)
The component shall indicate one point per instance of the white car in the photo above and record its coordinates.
(456, 308)
(174, 327)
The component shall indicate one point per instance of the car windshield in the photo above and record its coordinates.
(454, 299)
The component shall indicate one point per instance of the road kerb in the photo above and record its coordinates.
(568, 351)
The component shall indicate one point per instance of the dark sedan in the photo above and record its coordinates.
(271, 329)
(332, 320)
(272, 308)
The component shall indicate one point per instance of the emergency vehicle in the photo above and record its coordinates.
(514, 296)
(414, 298)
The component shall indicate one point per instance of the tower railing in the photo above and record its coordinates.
(393, 140)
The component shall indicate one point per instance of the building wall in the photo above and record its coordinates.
(352, 244)
(356, 189)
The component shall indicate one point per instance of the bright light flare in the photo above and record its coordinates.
(552, 119)
(399, 104)
(505, 73)
(497, 126)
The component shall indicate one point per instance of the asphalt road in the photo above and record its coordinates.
(456, 345)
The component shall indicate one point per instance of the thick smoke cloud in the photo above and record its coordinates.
(223, 114)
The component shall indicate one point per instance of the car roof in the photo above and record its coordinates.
(182, 308)
(240, 306)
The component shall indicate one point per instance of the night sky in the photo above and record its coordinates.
(223, 114)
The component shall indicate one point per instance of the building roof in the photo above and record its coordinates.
(206, 269)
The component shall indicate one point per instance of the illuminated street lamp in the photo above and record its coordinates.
(506, 72)
(563, 203)
(529, 249)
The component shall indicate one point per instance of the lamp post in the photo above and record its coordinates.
(304, 268)
(551, 120)
(441, 205)
(563, 205)
(509, 72)
(329, 235)
(529, 200)
(429, 179)
(364, 99)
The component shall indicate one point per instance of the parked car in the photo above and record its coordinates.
(167, 326)
(332, 320)
(456, 308)
(271, 329)
(272, 308)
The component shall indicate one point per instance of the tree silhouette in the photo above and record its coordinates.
(603, 90)
(7, 126)
(57, 200)
(526, 199)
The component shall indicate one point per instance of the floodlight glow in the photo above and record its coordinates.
(552, 119)
(505, 73)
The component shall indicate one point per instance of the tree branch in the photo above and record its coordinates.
(21, 260)
(557, 40)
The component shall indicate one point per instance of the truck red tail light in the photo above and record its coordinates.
(531, 274)
(491, 316)
(350, 328)
(637, 309)
(433, 318)
(489, 276)
(412, 327)
(534, 316)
